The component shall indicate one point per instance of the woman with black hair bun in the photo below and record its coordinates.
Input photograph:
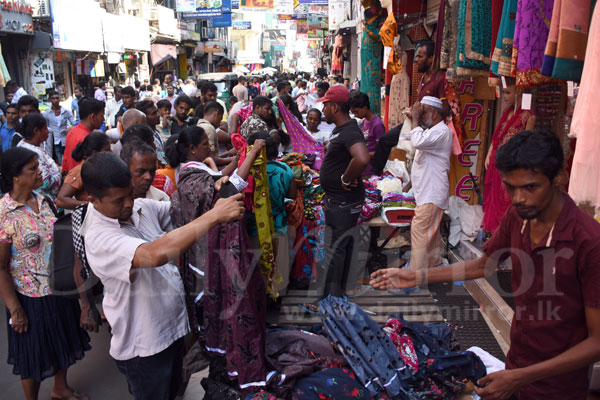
(34, 130)
(72, 193)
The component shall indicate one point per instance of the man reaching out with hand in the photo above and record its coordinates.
(555, 253)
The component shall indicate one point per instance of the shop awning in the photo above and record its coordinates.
(159, 53)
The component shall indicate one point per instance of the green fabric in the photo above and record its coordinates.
(264, 222)
(481, 33)
(371, 59)
(568, 70)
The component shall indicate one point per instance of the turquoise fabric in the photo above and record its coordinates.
(481, 33)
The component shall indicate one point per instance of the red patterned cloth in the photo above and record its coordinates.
(163, 183)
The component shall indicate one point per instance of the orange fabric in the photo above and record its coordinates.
(170, 172)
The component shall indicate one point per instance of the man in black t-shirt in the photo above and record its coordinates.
(347, 157)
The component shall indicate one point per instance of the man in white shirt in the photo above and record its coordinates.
(112, 107)
(433, 143)
(100, 93)
(189, 88)
(13, 87)
(129, 249)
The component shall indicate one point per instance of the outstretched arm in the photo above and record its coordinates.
(170, 246)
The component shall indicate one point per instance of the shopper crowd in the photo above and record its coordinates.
(194, 216)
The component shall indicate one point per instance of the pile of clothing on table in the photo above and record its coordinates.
(354, 357)
(384, 191)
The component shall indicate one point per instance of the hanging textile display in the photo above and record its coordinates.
(496, 201)
(416, 34)
(235, 305)
(264, 220)
(502, 56)
(302, 142)
(565, 50)
(337, 67)
(399, 95)
(474, 38)
(450, 33)
(439, 33)
(584, 186)
(532, 26)
(493, 80)
(371, 59)
(4, 75)
(388, 32)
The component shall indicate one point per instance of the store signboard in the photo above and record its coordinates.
(208, 8)
(220, 21)
(68, 25)
(284, 6)
(313, 1)
(318, 10)
(214, 47)
(314, 22)
(112, 33)
(242, 25)
(185, 6)
(42, 72)
(475, 97)
(136, 35)
(16, 17)
(259, 4)
(339, 12)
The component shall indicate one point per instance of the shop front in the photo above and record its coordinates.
(16, 33)
(77, 59)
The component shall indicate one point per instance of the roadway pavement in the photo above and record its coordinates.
(96, 375)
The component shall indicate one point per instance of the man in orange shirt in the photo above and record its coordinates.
(91, 112)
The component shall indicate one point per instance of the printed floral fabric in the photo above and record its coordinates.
(309, 246)
(474, 35)
(235, 305)
(399, 97)
(336, 62)
(194, 196)
(450, 33)
(388, 32)
(50, 173)
(502, 56)
(332, 383)
(532, 27)
(371, 51)
(264, 220)
(30, 235)
(403, 343)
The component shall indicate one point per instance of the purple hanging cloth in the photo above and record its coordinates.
(302, 141)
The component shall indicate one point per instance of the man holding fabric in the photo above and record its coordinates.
(433, 141)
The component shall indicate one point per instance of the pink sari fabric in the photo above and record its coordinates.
(584, 185)
(241, 146)
(302, 141)
(495, 198)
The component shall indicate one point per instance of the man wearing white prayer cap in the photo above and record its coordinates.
(433, 141)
